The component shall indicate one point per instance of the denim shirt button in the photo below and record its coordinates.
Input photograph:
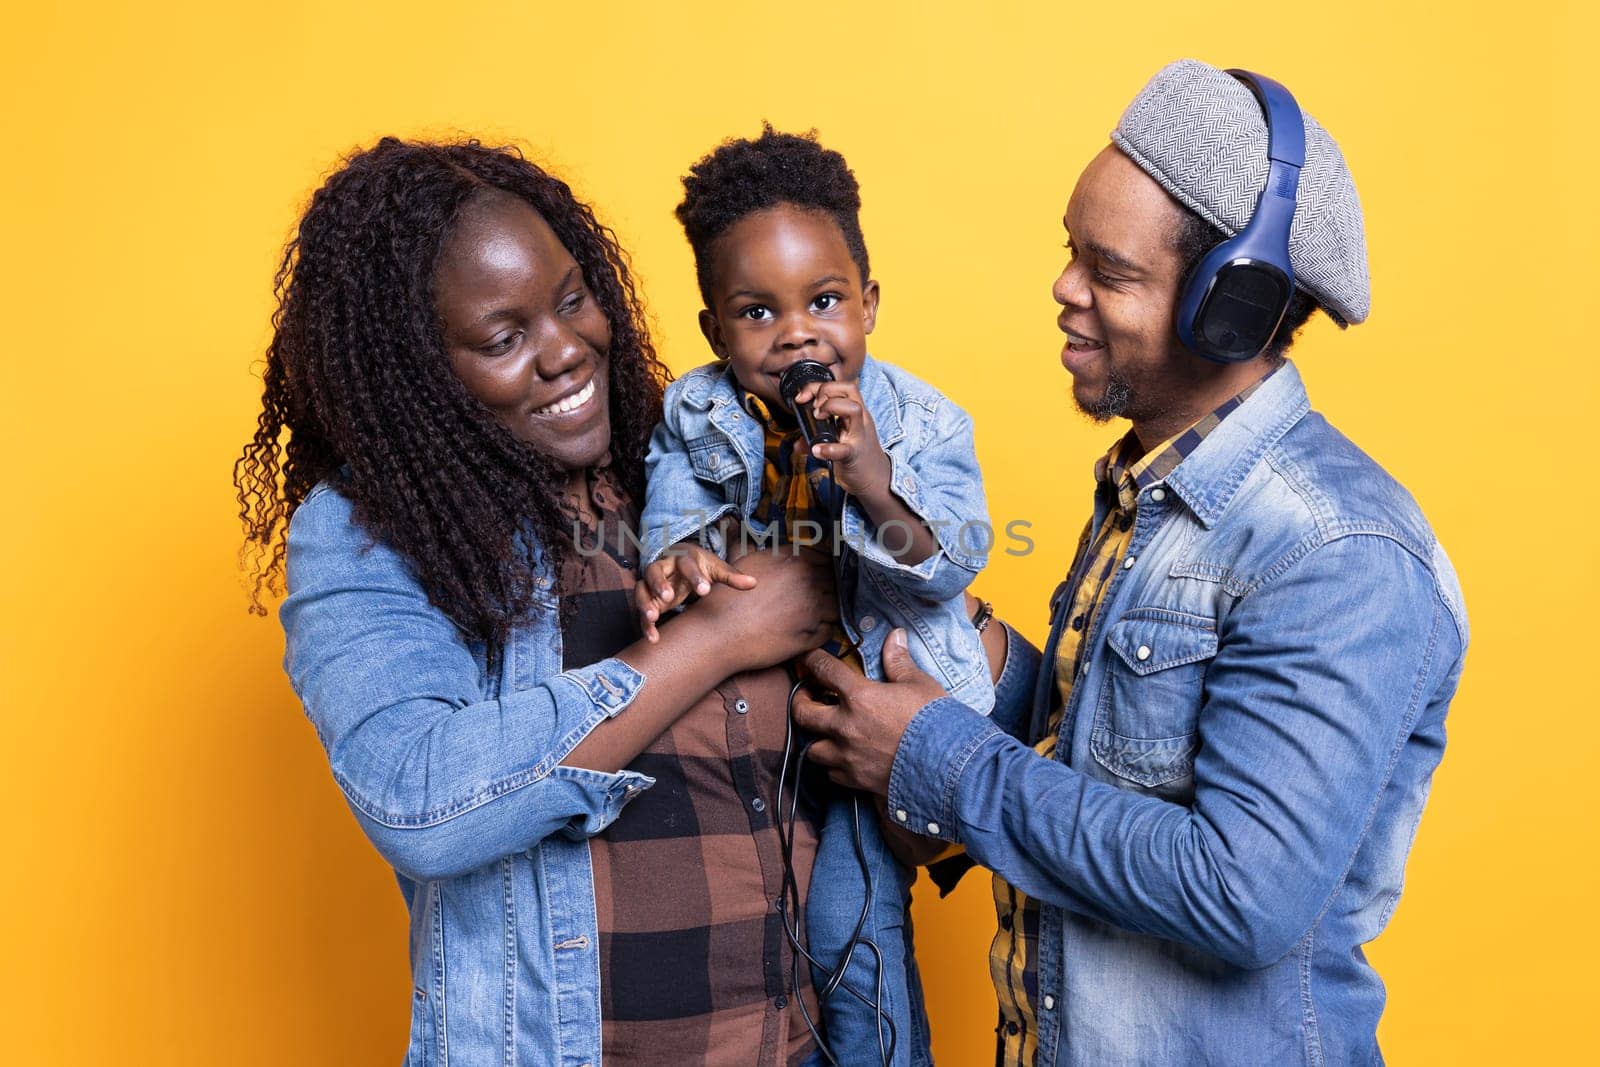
(868, 623)
(933, 828)
(1049, 1002)
(1143, 653)
(1158, 495)
(1127, 564)
(900, 815)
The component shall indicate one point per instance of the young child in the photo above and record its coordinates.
(782, 265)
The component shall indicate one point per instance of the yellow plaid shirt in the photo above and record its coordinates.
(1012, 961)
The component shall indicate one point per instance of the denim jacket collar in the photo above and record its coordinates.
(1207, 480)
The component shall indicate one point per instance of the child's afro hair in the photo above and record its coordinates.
(744, 176)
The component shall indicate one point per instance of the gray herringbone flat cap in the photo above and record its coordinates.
(1200, 133)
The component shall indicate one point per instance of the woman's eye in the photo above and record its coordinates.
(503, 344)
(826, 301)
(755, 312)
(574, 301)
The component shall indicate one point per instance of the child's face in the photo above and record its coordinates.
(785, 288)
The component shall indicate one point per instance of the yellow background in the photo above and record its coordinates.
(183, 884)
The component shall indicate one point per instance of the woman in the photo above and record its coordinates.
(461, 363)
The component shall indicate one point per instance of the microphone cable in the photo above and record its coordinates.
(789, 899)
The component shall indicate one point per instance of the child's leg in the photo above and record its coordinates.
(834, 905)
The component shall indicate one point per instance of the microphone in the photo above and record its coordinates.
(796, 377)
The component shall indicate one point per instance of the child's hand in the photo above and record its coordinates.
(686, 568)
(860, 465)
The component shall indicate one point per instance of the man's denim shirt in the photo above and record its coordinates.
(707, 458)
(1242, 765)
(453, 771)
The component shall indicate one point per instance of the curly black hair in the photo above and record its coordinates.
(741, 177)
(357, 373)
(1193, 237)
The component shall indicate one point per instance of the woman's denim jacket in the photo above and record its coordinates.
(453, 770)
(707, 458)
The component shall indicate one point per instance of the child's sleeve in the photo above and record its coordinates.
(935, 473)
(676, 505)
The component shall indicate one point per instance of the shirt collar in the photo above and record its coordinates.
(1127, 471)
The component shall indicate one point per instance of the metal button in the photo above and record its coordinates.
(1158, 495)
(868, 623)
(1049, 1002)
(741, 705)
(781, 1001)
(1143, 653)
(1127, 564)
(933, 828)
(716, 461)
(900, 814)
(759, 804)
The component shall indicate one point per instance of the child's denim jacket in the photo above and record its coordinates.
(706, 460)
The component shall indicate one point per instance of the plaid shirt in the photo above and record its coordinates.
(788, 497)
(694, 963)
(1013, 965)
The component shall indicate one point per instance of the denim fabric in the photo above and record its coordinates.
(706, 460)
(1243, 764)
(453, 771)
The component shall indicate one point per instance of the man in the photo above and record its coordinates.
(1242, 700)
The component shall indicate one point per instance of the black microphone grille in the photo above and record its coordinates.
(799, 375)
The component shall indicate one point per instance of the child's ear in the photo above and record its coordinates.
(869, 305)
(713, 333)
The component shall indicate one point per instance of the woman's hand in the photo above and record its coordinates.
(790, 610)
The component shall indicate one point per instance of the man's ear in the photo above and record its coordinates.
(712, 329)
(869, 305)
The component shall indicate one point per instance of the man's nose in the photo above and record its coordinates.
(1072, 287)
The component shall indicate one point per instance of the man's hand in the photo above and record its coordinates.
(859, 734)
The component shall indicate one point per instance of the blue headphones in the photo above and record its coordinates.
(1234, 301)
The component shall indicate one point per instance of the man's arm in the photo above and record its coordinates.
(1308, 701)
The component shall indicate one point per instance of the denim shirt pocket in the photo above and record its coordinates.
(1145, 727)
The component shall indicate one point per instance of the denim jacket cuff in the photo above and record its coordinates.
(610, 793)
(928, 763)
(611, 685)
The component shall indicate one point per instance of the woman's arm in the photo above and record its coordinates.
(725, 632)
(441, 779)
